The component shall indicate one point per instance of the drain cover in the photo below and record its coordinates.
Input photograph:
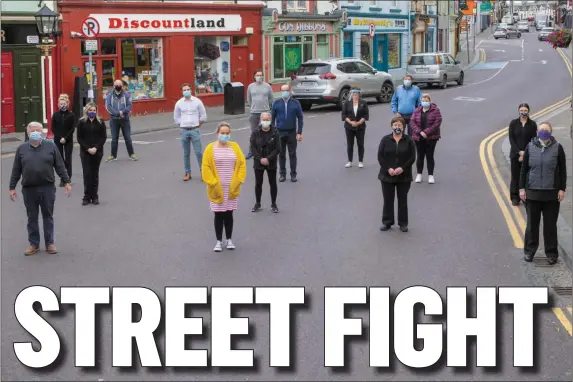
(563, 291)
(10, 139)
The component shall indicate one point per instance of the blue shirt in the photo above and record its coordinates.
(285, 116)
(406, 100)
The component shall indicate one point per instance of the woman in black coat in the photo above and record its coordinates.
(521, 131)
(265, 147)
(542, 187)
(355, 114)
(396, 155)
(92, 135)
(63, 124)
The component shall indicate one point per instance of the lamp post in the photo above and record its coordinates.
(47, 24)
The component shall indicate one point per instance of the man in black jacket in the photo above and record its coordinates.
(63, 124)
(265, 147)
(35, 162)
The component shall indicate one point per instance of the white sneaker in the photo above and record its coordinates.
(230, 245)
(348, 165)
(431, 179)
(418, 178)
(218, 247)
(360, 164)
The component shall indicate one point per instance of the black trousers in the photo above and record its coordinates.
(406, 118)
(357, 134)
(389, 191)
(288, 141)
(36, 199)
(223, 220)
(259, 177)
(66, 151)
(514, 183)
(550, 211)
(425, 149)
(90, 167)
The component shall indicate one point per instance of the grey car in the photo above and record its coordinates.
(435, 68)
(523, 26)
(319, 82)
(544, 33)
(507, 33)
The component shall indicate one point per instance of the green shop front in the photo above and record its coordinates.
(387, 50)
(291, 39)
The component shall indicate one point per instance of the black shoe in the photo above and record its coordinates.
(552, 260)
(95, 201)
(85, 202)
(293, 178)
(385, 227)
(256, 208)
(282, 178)
(404, 228)
(515, 202)
(528, 258)
(275, 209)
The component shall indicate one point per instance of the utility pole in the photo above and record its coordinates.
(468, 39)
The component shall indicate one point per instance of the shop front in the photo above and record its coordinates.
(419, 34)
(292, 39)
(157, 47)
(387, 50)
(431, 34)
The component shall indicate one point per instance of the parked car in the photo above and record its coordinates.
(544, 33)
(435, 68)
(523, 26)
(319, 82)
(508, 33)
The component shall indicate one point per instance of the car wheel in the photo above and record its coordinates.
(519, 35)
(444, 83)
(461, 79)
(507, 37)
(386, 93)
(305, 105)
(343, 97)
(496, 38)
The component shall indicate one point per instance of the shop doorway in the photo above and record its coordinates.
(348, 44)
(240, 65)
(7, 84)
(105, 72)
(27, 87)
(380, 52)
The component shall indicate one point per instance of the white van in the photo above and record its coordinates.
(507, 20)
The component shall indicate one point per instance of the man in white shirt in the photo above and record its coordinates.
(190, 114)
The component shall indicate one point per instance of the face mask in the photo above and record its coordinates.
(63, 107)
(407, 83)
(425, 104)
(397, 130)
(224, 138)
(259, 79)
(92, 114)
(524, 115)
(544, 135)
(36, 136)
(118, 88)
(187, 93)
(286, 95)
(266, 124)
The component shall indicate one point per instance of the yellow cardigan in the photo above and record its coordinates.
(211, 178)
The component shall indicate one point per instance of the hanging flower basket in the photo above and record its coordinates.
(560, 38)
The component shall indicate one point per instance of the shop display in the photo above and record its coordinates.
(143, 68)
(212, 64)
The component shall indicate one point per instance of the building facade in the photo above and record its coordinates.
(155, 47)
(388, 49)
(424, 27)
(24, 69)
(447, 26)
(296, 31)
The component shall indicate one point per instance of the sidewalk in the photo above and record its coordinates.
(474, 56)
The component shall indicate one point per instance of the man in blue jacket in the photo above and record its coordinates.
(405, 100)
(118, 105)
(286, 112)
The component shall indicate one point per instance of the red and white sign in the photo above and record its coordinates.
(90, 27)
(145, 23)
(372, 30)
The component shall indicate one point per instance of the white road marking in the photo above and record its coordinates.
(212, 133)
(522, 50)
(515, 60)
(499, 50)
(312, 116)
(141, 142)
(541, 50)
(469, 99)
(543, 62)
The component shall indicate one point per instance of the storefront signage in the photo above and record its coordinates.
(301, 27)
(162, 24)
(380, 24)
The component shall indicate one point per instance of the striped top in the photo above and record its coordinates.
(225, 160)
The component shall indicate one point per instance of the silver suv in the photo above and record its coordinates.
(329, 81)
(435, 68)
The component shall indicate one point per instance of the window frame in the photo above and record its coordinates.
(400, 60)
(294, 5)
(119, 57)
(282, 45)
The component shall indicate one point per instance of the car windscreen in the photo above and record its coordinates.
(422, 60)
(312, 69)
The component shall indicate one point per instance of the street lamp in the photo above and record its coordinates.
(47, 23)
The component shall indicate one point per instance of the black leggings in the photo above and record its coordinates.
(259, 177)
(426, 150)
(223, 219)
(350, 135)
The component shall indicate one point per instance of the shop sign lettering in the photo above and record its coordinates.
(302, 27)
(163, 24)
(358, 22)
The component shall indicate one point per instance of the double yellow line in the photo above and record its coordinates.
(513, 216)
(482, 55)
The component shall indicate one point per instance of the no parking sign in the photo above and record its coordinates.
(372, 30)
(90, 27)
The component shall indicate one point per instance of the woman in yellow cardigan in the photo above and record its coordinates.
(224, 171)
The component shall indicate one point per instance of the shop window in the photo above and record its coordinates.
(365, 47)
(394, 51)
(212, 64)
(323, 46)
(297, 5)
(108, 46)
(142, 65)
(289, 53)
(240, 40)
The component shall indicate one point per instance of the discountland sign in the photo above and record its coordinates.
(163, 24)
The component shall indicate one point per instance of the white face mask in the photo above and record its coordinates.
(266, 124)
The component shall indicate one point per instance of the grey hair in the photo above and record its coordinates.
(266, 113)
(426, 95)
(34, 124)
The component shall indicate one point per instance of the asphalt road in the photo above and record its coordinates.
(154, 230)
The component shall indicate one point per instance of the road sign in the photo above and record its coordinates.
(91, 45)
(90, 27)
(372, 29)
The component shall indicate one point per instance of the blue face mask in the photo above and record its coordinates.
(286, 95)
(224, 138)
(92, 114)
(544, 135)
(259, 79)
(425, 104)
(407, 83)
(35, 136)
(187, 93)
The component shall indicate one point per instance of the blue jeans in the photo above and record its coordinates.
(125, 126)
(35, 199)
(188, 137)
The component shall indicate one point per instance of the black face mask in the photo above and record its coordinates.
(118, 88)
(524, 115)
